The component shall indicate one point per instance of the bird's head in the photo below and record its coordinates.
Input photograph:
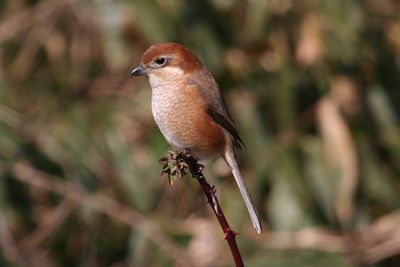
(167, 61)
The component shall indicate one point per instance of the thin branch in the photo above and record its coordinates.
(8, 245)
(48, 225)
(229, 234)
(382, 239)
(174, 166)
(379, 241)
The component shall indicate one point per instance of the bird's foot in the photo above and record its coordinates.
(194, 166)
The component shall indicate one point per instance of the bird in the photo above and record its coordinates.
(190, 111)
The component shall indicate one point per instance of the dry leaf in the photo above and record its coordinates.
(341, 153)
(310, 47)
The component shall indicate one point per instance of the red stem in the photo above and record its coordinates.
(209, 191)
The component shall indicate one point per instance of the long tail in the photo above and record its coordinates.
(231, 160)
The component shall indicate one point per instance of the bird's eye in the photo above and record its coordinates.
(160, 61)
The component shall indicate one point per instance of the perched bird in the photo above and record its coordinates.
(189, 110)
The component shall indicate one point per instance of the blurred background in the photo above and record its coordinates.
(314, 87)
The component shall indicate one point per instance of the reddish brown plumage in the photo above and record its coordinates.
(181, 56)
(204, 134)
(189, 110)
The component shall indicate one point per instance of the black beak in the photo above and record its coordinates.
(139, 70)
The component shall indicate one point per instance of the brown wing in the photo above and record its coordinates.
(228, 126)
(215, 105)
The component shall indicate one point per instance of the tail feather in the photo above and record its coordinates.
(231, 160)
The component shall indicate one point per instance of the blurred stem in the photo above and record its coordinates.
(27, 174)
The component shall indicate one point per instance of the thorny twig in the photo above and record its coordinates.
(175, 165)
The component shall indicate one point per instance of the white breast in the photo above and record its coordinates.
(166, 102)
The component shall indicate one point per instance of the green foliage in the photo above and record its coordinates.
(314, 90)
